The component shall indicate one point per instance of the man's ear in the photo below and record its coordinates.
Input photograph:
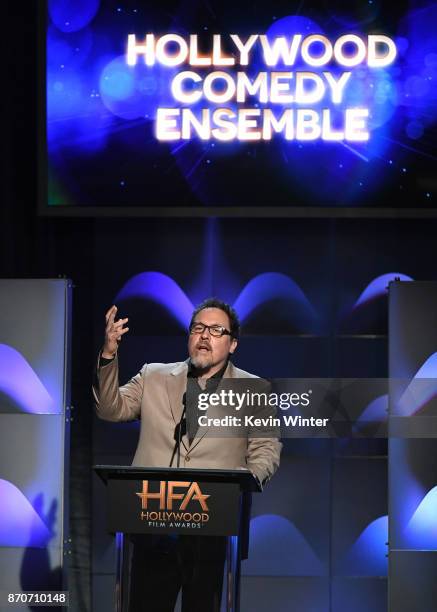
(233, 346)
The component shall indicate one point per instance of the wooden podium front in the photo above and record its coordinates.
(178, 501)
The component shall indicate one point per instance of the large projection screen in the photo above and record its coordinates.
(244, 109)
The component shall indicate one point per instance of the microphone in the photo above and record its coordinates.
(179, 431)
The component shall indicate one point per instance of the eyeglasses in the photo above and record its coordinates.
(215, 330)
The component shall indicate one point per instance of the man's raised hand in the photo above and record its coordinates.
(113, 333)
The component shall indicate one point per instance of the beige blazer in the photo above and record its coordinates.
(154, 396)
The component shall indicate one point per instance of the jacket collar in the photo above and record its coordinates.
(182, 368)
(176, 385)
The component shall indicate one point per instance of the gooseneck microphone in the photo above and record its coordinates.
(179, 431)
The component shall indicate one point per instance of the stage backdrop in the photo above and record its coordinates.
(413, 451)
(34, 434)
(319, 530)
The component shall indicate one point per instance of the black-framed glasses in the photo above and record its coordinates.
(215, 330)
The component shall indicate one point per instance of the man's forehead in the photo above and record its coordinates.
(212, 316)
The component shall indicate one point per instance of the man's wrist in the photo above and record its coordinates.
(106, 358)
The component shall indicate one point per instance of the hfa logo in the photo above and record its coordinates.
(173, 504)
(166, 495)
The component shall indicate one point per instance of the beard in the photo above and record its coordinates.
(202, 362)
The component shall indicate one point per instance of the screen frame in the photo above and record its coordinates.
(164, 211)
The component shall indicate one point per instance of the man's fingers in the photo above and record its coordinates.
(109, 312)
(110, 315)
(121, 332)
(120, 323)
(117, 330)
(114, 329)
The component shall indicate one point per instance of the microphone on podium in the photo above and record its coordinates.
(179, 431)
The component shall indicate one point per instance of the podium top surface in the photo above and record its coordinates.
(242, 477)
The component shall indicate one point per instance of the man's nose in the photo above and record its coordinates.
(205, 334)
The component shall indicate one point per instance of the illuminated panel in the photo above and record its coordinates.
(20, 524)
(161, 289)
(292, 555)
(21, 384)
(412, 460)
(263, 288)
(378, 287)
(34, 404)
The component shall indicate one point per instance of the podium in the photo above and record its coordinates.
(205, 502)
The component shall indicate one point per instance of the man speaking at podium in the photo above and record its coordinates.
(164, 397)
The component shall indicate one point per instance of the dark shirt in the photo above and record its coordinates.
(103, 361)
(192, 396)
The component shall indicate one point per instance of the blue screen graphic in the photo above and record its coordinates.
(105, 145)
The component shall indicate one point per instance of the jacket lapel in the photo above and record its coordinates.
(176, 386)
(229, 373)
